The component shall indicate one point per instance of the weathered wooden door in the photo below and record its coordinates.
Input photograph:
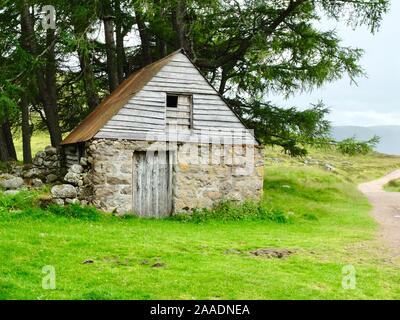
(152, 189)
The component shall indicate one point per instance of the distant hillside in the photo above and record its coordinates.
(390, 136)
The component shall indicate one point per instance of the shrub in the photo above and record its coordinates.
(393, 186)
(20, 201)
(34, 204)
(228, 211)
(394, 183)
(310, 216)
(4, 166)
(352, 147)
(75, 211)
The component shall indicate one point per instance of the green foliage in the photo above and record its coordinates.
(21, 201)
(357, 13)
(289, 128)
(353, 147)
(38, 140)
(4, 166)
(26, 203)
(248, 49)
(76, 211)
(228, 211)
(392, 186)
(8, 97)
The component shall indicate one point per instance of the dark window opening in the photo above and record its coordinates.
(172, 101)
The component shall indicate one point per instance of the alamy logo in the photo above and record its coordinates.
(48, 17)
(49, 280)
(349, 280)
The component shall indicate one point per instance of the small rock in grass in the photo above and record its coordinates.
(6, 176)
(72, 201)
(59, 201)
(64, 191)
(37, 183)
(11, 192)
(89, 261)
(329, 167)
(158, 265)
(8, 181)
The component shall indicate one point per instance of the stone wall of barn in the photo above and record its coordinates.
(203, 174)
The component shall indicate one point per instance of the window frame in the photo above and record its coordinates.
(186, 94)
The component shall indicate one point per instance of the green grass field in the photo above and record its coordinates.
(329, 228)
(38, 142)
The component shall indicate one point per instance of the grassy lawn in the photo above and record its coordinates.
(329, 228)
(393, 186)
(38, 142)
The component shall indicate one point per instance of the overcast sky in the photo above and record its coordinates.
(376, 99)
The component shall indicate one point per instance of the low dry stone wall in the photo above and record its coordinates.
(46, 168)
(77, 187)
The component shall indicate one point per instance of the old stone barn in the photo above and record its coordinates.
(163, 142)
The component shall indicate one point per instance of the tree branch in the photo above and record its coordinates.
(246, 43)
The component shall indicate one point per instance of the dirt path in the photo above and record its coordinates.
(386, 209)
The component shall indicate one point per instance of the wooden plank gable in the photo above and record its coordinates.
(145, 115)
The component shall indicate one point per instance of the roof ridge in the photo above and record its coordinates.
(146, 67)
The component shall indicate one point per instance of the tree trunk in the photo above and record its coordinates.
(144, 36)
(12, 155)
(180, 25)
(3, 146)
(112, 69)
(122, 63)
(121, 58)
(46, 86)
(51, 108)
(162, 47)
(92, 98)
(26, 131)
(161, 44)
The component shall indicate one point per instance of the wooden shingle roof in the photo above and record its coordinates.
(88, 128)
